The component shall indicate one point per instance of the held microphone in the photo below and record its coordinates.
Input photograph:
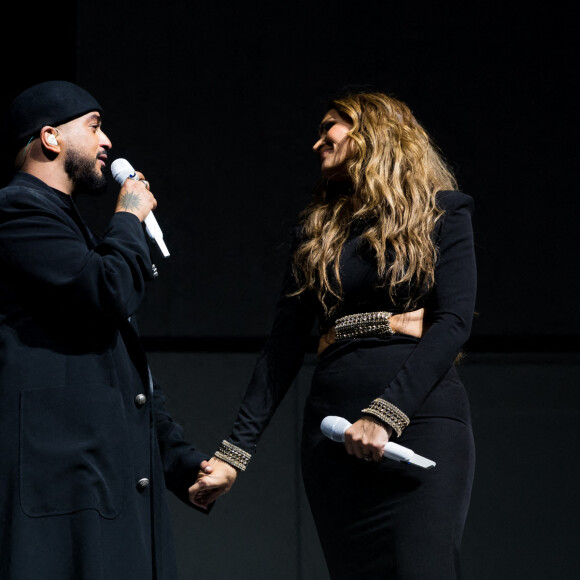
(334, 428)
(122, 170)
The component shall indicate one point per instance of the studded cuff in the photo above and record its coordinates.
(389, 414)
(233, 455)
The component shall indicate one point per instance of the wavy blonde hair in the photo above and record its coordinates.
(394, 171)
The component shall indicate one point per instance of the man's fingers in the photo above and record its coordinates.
(202, 496)
(206, 467)
(202, 503)
(203, 499)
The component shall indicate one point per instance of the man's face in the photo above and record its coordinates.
(85, 152)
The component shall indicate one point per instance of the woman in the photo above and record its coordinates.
(387, 234)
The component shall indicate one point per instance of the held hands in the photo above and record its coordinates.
(136, 198)
(366, 439)
(211, 484)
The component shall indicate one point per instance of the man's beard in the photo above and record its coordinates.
(85, 177)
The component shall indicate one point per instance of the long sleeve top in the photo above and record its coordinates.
(450, 306)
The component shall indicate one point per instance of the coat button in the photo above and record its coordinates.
(143, 484)
(154, 270)
(140, 400)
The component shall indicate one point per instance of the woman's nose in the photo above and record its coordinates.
(318, 143)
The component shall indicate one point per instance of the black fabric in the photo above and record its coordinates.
(50, 103)
(417, 376)
(387, 520)
(73, 441)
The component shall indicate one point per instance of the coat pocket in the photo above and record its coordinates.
(74, 450)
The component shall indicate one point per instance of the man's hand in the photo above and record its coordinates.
(136, 198)
(209, 486)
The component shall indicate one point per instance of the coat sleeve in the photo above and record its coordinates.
(42, 248)
(181, 461)
(278, 362)
(450, 308)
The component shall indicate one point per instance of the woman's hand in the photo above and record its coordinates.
(411, 323)
(209, 486)
(366, 439)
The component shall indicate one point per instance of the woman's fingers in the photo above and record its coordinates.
(366, 439)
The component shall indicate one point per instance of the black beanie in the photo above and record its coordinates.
(50, 103)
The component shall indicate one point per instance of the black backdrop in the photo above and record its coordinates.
(218, 103)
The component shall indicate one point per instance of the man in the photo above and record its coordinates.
(86, 447)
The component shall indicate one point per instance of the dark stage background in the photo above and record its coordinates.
(218, 105)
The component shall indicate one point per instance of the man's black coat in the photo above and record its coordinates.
(86, 447)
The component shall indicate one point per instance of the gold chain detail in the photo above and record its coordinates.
(365, 324)
(389, 414)
(233, 455)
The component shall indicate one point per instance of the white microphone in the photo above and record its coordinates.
(334, 428)
(122, 170)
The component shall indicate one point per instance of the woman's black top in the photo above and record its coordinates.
(450, 306)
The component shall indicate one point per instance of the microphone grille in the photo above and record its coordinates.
(121, 170)
(334, 427)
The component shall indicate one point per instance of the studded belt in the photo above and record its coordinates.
(365, 324)
(357, 326)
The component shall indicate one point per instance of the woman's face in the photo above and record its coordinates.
(333, 148)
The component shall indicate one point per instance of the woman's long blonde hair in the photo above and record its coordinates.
(395, 172)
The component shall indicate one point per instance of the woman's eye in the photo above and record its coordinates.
(325, 127)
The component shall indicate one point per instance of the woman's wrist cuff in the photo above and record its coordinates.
(388, 414)
(233, 455)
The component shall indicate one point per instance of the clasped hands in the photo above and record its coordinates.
(215, 477)
(365, 439)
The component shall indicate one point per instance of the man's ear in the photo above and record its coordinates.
(49, 140)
